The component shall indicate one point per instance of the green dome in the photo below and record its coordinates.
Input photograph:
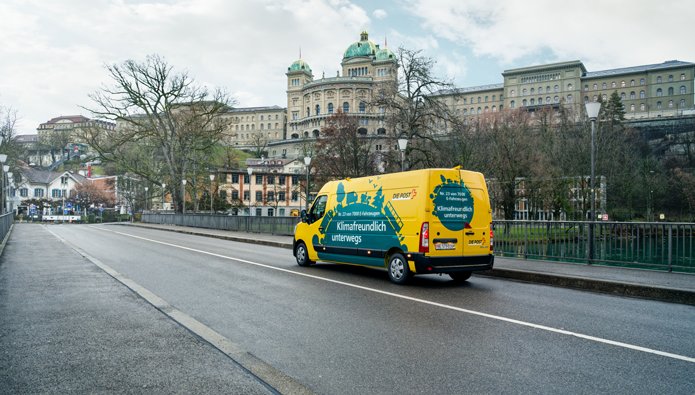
(300, 65)
(364, 47)
(385, 54)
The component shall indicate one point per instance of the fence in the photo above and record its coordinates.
(666, 246)
(274, 225)
(5, 223)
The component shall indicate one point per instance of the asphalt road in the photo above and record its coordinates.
(346, 330)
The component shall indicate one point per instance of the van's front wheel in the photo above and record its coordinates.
(302, 255)
(398, 269)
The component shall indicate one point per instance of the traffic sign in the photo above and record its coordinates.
(101, 209)
(69, 205)
(65, 212)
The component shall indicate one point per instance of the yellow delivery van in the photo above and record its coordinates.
(417, 222)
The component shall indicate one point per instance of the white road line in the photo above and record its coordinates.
(495, 317)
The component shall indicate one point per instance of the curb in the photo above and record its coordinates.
(673, 295)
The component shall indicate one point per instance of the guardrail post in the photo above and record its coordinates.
(590, 255)
(670, 229)
(525, 240)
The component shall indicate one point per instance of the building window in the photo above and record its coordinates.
(670, 78)
(557, 88)
(235, 195)
(523, 103)
(259, 196)
(512, 103)
(641, 107)
(295, 180)
(494, 97)
(658, 92)
(682, 77)
(556, 99)
(458, 113)
(523, 93)
(270, 196)
(318, 109)
(569, 99)
(259, 180)
(641, 94)
(485, 99)
(612, 84)
(271, 179)
(682, 90)
(494, 109)
(682, 105)
(38, 192)
(259, 212)
(670, 104)
(595, 87)
(465, 112)
(246, 179)
(658, 105)
(281, 196)
(622, 96)
(604, 97)
(533, 102)
(281, 180)
(346, 107)
(235, 178)
(362, 107)
(632, 95)
(586, 88)
(632, 83)
(632, 107)
(670, 91)
(604, 86)
(641, 82)
(512, 93)
(595, 98)
(622, 84)
(658, 79)
(295, 196)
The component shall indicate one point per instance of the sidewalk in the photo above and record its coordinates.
(69, 327)
(642, 283)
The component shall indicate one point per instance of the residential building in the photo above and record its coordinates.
(263, 193)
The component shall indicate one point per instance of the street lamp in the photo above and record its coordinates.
(183, 191)
(307, 162)
(212, 177)
(402, 144)
(3, 158)
(10, 184)
(592, 110)
(146, 188)
(249, 170)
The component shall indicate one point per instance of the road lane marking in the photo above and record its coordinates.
(427, 302)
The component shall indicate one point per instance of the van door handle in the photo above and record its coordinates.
(470, 233)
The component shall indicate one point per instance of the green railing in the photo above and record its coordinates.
(664, 246)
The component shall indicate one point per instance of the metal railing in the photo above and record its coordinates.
(5, 224)
(274, 225)
(629, 244)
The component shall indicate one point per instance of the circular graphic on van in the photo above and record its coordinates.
(453, 204)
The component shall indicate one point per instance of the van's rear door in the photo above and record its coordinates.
(446, 222)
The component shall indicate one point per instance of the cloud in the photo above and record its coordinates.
(603, 33)
(379, 14)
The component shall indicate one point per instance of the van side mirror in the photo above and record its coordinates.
(303, 215)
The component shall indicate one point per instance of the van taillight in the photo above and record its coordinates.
(467, 225)
(425, 237)
(491, 239)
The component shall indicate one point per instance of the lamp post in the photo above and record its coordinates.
(592, 110)
(249, 170)
(402, 144)
(164, 186)
(10, 184)
(307, 162)
(212, 177)
(183, 192)
(146, 188)
(3, 158)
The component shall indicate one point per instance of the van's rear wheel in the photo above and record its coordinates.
(303, 255)
(398, 269)
(460, 277)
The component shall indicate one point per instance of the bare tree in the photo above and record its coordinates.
(162, 120)
(86, 194)
(259, 145)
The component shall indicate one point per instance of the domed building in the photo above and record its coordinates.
(310, 102)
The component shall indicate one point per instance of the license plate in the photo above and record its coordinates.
(445, 246)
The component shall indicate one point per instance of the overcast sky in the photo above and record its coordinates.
(52, 52)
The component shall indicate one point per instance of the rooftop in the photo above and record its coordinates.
(637, 69)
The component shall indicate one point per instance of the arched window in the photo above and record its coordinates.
(641, 107)
(595, 98)
(540, 90)
(556, 99)
(682, 90)
(262, 127)
(670, 78)
(641, 82)
(658, 105)
(501, 107)
(682, 77)
(512, 103)
(465, 112)
(253, 127)
(547, 89)
(569, 98)
(641, 94)
(632, 95)
(557, 89)
(604, 86)
(622, 84)
(494, 97)
(523, 103)
(480, 111)
(658, 92)
(237, 128)
(276, 126)
(547, 100)
(586, 88)
(479, 99)
(670, 91)
(247, 127)
(486, 98)
(622, 96)
(670, 104)
(604, 97)
(346, 107)
(487, 109)
(523, 92)
(295, 136)
(308, 112)
(586, 99)
(569, 87)
(472, 110)
(330, 108)
(361, 108)
(501, 98)
(458, 113)
(658, 79)
(318, 109)
(595, 87)
(269, 126)
(533, 102)
(632, 107)
(613, 84)
(682, 102)
(632, 82)
(533, 91)
(512, 93)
